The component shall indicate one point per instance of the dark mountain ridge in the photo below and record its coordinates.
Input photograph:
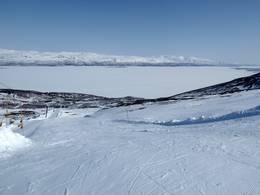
(28, 99)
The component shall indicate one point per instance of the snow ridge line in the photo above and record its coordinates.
(202, 119)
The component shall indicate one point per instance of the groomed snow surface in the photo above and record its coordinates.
(122, 151)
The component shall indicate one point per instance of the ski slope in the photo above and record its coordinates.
(130, 150)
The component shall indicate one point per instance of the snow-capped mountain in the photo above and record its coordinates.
(15, 57)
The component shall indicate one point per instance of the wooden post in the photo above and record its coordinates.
(46, 112)
(21, 122)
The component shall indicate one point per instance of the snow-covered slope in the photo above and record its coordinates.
(130, 150)
(205, 141)
(15, 57)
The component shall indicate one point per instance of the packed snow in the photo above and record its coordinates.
(148, 82)
(105, 152)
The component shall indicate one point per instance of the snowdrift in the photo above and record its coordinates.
(203, 119)
(11, 141)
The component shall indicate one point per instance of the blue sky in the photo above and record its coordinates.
(223, 30)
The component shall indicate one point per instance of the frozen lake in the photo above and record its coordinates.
(146, 82)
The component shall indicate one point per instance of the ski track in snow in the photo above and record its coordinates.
(97, 155)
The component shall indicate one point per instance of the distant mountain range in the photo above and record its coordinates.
(16, 57)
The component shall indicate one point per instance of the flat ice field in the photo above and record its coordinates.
(149, 82)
